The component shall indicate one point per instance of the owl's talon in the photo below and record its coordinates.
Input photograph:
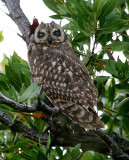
(39, 94)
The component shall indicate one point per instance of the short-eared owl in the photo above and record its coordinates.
(64, 77)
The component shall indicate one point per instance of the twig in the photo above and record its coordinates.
(109, 109)
(118, 36)
(92, 53)
(113, 111)
(110, 55)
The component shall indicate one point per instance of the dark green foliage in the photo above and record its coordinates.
(97, 23)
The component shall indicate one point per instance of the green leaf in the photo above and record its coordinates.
(105, 118)
(16, 59)
(110, 68)
(114, 24)
(41, 156)
(98, 156)
(75, 151)
(123, 87)
(1, 36)
(30, 122)
(125, 124)
(14, 157)
(80, 37)
(51, 5)
(59, 151)
(86, 58)
(3, 78)
(40, 124)
(23, 68)
(108, 7)
(62, 9)
(87, 156)
(57, 16)
(48, 144)
(3, 127)
(13, 77)
(118, 46)
(28, 92)
(27, 156)
(101, 78)
(98, 6)
(111, 92)
(34, 93)
(123, 107)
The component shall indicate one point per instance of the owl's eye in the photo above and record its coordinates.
(57, 33)
(41, 34)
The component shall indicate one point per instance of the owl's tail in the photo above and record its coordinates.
(85, 117)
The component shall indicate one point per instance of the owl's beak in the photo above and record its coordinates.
(49, 39)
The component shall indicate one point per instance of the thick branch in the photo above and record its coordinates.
(63, 131)
(65, 136)
(38, 106)
(115, 150)
(24, 130)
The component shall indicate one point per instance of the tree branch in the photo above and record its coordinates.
(37, 106)
(63, 131)
(115, 151)
(17, 126)
(63, 135)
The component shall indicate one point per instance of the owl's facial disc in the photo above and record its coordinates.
(40, 35)
(57, 34)
(49, 33)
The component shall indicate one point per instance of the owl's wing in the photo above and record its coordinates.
(79, 67)
(83, 90)
(74, 64)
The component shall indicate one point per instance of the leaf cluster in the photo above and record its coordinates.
(98, 30)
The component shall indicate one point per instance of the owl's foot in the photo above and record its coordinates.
(39, 94)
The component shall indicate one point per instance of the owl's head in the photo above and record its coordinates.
(49, 33)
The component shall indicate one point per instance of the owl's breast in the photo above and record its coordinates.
(60, 76)
(38, 62)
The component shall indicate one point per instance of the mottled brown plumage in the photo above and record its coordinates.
(64, 77)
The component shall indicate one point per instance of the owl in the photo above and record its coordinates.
(65, 79)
